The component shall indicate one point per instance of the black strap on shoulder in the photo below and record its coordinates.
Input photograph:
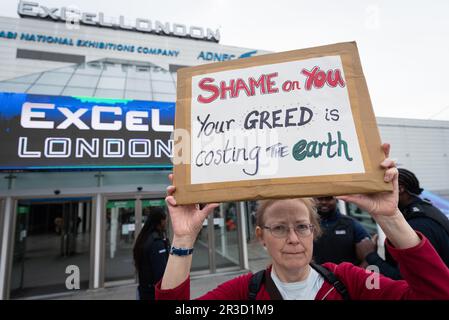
(256, 281)
(254, 284)
(259, 277)
(330, 277)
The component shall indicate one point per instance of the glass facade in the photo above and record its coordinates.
(120, 236)
(50, 236)
(226, 235)
(106, 78)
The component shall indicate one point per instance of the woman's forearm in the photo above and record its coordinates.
(178, 267)
(398, 231)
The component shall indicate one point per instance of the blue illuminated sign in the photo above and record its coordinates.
(59, 132)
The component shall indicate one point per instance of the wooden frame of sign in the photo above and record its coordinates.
(311, 105)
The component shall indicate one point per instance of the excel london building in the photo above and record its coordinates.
(87, 106)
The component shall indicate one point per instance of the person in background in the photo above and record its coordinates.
(151, 252)
(343, 238)
(59, 225)
(422, 216)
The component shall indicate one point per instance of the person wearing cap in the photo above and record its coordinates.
(422, 216)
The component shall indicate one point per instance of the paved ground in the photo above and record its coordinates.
(258, 259)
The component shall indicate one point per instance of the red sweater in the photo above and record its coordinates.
(424, 273)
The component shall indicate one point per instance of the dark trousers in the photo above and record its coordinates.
(146, 292)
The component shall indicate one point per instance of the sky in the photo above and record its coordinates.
(403, 45)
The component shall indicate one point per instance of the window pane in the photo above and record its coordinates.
(109, 93)
(113, 70)
(139, 95)
(68, 69)
(120, 227)
(363, 217)
(26, 79)
(138, 84)
(13, 87)
(48, 238)
(226, 235)
(44, 89)
(160, 74)
(163, 87)
(139, 73)
(54, 78)
(164, 97)
(75, 91)
(90, 68)
(201, 250)
(111, 83)
(88, 81)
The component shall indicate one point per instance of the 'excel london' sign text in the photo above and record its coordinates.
(73, 15)
(54, 132)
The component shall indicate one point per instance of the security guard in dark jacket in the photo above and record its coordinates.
(422, 216)
(151, 253)
(343, 239)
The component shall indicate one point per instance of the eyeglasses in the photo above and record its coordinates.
(282, 230)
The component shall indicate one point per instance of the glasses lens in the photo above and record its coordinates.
(303, 229)
(279, 230)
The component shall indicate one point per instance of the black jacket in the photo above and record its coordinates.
(338, 242)
(152, 265)
(424, 217)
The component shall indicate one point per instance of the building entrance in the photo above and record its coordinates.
(124, 220)
(52, 242)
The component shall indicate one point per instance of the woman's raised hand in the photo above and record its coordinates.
(383, 207)
(187, 220)
(382, 203)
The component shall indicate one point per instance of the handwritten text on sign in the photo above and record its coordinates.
(290, 119)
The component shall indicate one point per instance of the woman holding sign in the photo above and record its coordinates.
(287, 229)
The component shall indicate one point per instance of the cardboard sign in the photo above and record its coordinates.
(289, 124)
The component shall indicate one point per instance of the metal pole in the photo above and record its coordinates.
(138, 216)
(211, 235)
(243, 252)
(98, 213)
(6, 253)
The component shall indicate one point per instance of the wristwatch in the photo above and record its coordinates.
(181, 251)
